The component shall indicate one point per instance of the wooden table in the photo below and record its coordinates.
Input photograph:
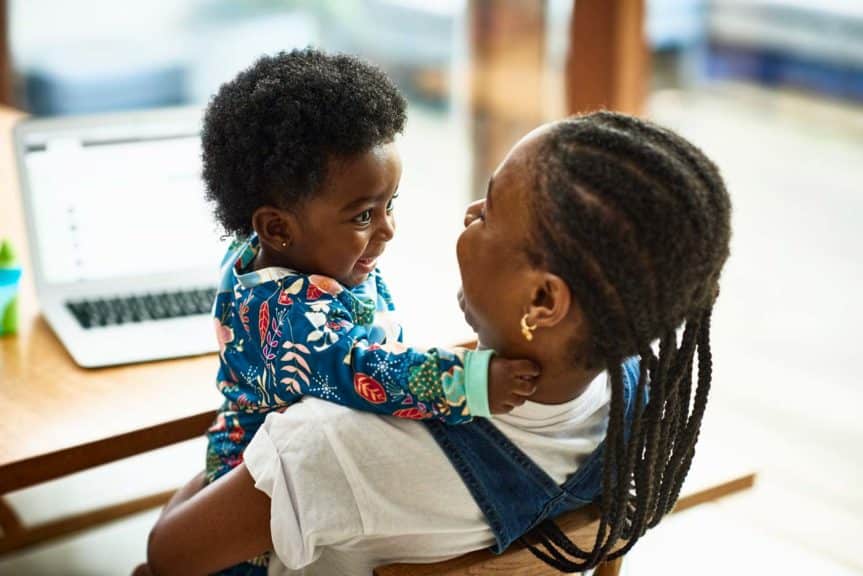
(57, 418)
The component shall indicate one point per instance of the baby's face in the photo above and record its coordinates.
(346, 227)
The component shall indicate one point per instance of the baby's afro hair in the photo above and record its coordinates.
(269, 133)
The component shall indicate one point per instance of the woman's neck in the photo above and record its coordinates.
(561, 382)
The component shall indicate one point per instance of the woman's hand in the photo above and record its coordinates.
(510, 383)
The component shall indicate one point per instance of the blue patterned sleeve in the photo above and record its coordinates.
(386, 303)
(329, 356)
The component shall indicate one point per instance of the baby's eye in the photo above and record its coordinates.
(390, 204)
(363, 217)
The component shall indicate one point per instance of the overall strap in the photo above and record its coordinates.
(506, 484)
(512, 491)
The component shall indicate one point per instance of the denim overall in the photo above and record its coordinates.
(513, 492)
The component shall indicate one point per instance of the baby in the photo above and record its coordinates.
(301, 164)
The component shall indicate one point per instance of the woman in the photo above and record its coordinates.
(599, 236)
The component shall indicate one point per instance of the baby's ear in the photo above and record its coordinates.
(551, 300)
(276, 228)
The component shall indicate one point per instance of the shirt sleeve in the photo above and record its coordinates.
(328, 356)
(312, 501)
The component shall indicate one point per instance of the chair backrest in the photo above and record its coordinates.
(580, 525)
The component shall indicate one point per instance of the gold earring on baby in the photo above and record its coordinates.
(284, 244)
(527, 329)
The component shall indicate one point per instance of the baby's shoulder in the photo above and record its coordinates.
(351, 429)
(315, 416)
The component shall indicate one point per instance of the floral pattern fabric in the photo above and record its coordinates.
(283, 335)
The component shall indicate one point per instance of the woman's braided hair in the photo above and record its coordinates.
(636, 220)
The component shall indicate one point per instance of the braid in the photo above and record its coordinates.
(636, 220)
(693, 426)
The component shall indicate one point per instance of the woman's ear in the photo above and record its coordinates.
(277, 229)
(551, 301)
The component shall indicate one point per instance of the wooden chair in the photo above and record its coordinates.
(580, 525)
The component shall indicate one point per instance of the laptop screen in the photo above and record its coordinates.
(119, 206)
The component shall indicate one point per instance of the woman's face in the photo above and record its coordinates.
(492, 257)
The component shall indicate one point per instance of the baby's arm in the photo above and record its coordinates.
(330, 357)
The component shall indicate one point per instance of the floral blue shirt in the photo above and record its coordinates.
(283, 334)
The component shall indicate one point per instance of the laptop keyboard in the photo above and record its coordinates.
(113, 311)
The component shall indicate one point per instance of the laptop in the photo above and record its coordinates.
(125, 249)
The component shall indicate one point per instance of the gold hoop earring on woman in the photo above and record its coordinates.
(527, 329)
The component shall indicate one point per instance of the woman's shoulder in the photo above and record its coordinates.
(314, 413)
(346, 429)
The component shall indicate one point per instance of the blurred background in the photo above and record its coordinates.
(772, 90)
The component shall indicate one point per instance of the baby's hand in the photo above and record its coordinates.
(510, 383)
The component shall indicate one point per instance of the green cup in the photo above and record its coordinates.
(10, 276)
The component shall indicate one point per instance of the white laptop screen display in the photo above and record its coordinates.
(120, 208)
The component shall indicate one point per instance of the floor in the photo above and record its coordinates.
(784, 337)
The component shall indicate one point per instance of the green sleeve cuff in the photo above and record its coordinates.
(476, 381)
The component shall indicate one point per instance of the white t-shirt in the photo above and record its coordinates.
(352, 490)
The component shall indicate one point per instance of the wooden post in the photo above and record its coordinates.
(507, 50)
(609, 567)
(5, 57)
(607, 62)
